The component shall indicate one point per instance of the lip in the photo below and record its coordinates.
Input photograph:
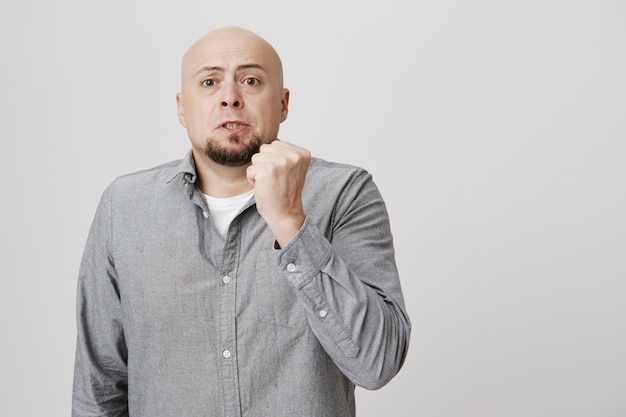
(241, 126)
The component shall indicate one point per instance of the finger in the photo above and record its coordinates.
(276, 147)
(287, 153)
(250, 175)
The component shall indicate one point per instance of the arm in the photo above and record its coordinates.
(100, 378)
(350, 287)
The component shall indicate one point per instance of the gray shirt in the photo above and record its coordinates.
(176, 320)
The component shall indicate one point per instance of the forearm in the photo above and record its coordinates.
(100, 372)
(355, 306)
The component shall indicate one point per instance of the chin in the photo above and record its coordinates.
(237, 152)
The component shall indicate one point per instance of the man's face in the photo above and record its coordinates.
(232, 99)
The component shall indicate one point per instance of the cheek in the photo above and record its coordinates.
(198, 115)
(274, 113)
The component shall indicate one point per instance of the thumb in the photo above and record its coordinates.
(250, 173)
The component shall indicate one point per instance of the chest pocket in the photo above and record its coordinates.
(276, 299)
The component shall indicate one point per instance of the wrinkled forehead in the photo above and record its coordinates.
(229, 51)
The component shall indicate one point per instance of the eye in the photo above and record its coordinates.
(208, 83)
(251, 81)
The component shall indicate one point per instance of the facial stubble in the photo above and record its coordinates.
(232, 157)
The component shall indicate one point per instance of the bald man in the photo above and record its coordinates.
(247, 279)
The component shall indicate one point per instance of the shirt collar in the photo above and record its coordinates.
(186, 169)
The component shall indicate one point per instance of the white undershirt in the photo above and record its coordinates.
(224, 210)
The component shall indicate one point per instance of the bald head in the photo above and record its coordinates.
(232, 97)
(230, 42)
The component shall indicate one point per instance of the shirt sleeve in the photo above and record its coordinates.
(350, 288)
(100, 372)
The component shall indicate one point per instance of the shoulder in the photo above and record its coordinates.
(335, 181)
(327, 171)
(159, 174)
(141, 184)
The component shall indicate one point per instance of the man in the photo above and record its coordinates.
(227, 285)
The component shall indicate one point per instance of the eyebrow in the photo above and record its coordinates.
(239, 68)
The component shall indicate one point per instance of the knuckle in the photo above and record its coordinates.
(281, 162)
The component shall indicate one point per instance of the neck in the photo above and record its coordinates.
(218, 180)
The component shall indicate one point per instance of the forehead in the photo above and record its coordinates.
(229, 52)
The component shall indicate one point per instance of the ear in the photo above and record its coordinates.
(181, 109)
(285, 102)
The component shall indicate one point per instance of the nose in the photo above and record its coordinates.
(233, 103)
(231, 97)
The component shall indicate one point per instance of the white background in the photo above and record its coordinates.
(495, 130)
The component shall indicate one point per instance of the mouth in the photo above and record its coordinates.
(233, 125)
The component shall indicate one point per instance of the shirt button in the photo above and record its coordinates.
(323, 313)
(205, 214)
(291, 267)
(226, 353)
(226, 279)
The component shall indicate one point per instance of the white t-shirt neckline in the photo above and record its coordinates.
(224, 210)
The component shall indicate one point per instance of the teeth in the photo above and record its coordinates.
(232, 125)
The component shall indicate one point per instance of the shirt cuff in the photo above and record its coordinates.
(305, 255)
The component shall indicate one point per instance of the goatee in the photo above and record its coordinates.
(229, 156)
